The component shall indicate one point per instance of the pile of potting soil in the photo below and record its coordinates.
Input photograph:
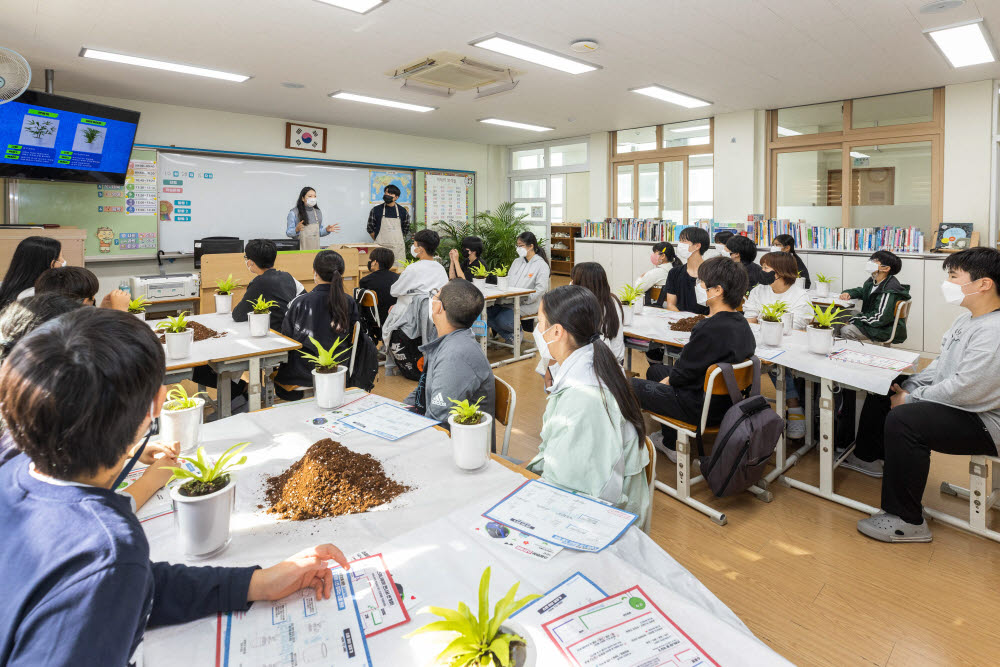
(201, 332)
(330, 480)
(686, 323)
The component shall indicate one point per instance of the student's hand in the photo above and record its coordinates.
(898, 398)
(118, 300)
(299, 227)
(333, 228)
(157, 472)
(306, 569)
(453, 254)
(155, 450)
(665, 380)
(845, 296)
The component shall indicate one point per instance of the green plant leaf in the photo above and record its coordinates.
(227, 286)
(484, 605)
(262, 306)
(500, 648)
(629, 294)
(459, 646)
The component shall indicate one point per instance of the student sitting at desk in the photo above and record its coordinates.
(78, 584)
(879, 296)
(720, 239)
(678, 391)
(32, 256)
(681, 280)
(952, 407)
(381, 279)
(744, 251)
(462, 261)
(272, 284)
(79, 283)
(454, 364)
(592, 276)
(529, 271)
(593, 438)
(786, 243)
(663, 258)
(423, 275)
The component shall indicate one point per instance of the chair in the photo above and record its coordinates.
(715, 385)
(902, 312)
(354, 347)
(654, 294)
(650, 479)
(506, 400)
(981, 498)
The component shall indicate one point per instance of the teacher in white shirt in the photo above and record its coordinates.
(305, 221)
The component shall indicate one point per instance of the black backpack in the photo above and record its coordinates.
(747, 437)
(365, 361)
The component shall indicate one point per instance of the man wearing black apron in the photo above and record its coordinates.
(388, 223)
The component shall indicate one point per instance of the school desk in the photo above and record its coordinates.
(428, 541)
(491, 294)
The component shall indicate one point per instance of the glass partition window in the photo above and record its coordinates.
(535, 211)
(557, 199)
(700, 186)
(623, 189)
(809, 187)
(532, 158)
(649, 190)
(570, 154)
(891, 185)
(811, 119)
(529, 189)
(673, 191)
(637, 139)
(688, 133)
(898, 109)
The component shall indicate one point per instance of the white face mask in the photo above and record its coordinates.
(522, 252)
(953, 293)
(776, 248)
(430, 308)
(63, 263)
(541, 344)
(310, 201)
(871, 267)
(700, 294)
(721, 248)
(413, 249)
(683, 251)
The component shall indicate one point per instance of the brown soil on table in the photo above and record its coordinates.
(201, 332)
(686, 323)
(330, 480)
(196, 488)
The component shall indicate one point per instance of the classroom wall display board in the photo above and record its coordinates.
(445, 195)
(120, 220)
(247, 197)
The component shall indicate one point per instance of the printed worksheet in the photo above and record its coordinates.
(515, 540)
(572, 593)
(388, 422)
(357, 400)
(563, 518)
(624, 630)
(874, 360)
(376, 595)
(297, 630)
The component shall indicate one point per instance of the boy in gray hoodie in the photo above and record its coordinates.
(952, 407)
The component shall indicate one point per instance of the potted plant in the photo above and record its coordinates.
(630, 295)
(182, 417)
(329, 376)
(820, 330)
(224, 294)
(471, 434)
(479, 274)
(501, 274)
(487, 640)
(178, 336)
(771, 327)
(138, 307)
(260, 318)
(800, 281)
(403, 263)
(204, 503)
(823, 284)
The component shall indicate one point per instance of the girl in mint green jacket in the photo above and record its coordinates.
(592, 429)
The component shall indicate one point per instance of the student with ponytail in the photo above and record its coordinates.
(592, 429)
(326, 314)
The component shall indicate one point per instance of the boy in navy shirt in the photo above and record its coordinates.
(79, 588)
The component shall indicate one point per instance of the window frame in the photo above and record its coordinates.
(545, 173)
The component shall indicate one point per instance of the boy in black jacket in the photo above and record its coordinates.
(380, 279)
(272, 284)
(678, 391)
(78, 584)
(879, 296)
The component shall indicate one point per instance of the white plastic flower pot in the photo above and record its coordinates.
(800, 282)
(141, 316)
(479, 282)
(770, 333)
(626, 314)
(470, 445)
(223, 303)
(330, 387)
(638, 307)
(820, 340)
(260, 323)
(787, 323)
(523, 655)
(202, 522)
(182, 426)
(179, 344)
(503, 283)
(822, 289)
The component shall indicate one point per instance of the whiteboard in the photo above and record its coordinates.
(250, 198)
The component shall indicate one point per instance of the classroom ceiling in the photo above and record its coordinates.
(739, 54)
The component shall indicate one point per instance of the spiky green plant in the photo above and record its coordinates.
(772, 312)
(479, 641)
(479, 271)
(820, 278)
(262, 306)
(467, 413)
(825, 318)
(177, 324)
(226, 286)
(208, 477)
(137, 306)
(326, 360)
(178, 399)
(629, 294)
(501, 271)
(406, 262)
(90, 134)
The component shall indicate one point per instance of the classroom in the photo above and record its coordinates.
(372, 333)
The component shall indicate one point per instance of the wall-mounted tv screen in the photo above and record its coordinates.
(49, 137)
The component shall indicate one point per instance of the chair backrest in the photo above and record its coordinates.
(505, 401)
(715, 384)
(902, 312)
(651, 480)
(354, 346)
(654, 294)
(370, 300)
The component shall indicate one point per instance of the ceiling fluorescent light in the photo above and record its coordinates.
(520, 126)
(359, 6)
(963, 44)
(160, 64)
(353, 97)
(785, 132)
(689, 129)
(533, 54)
(667, 95)
(857, 154)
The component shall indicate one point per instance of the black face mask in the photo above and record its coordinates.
(387, 199)
(767, 277)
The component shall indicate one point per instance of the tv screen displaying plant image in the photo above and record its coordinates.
(49, 137)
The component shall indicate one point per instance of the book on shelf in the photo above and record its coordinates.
(817, 237)
(635, 229)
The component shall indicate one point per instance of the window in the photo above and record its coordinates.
(557, 200)
(673, 191)
(624, 207)
(535, 211)
(898, 109)
(538, 183)
(568, 154)
(809, 187)
(637, 139)
(529, 189)
(649, 190)
(811, 119)
(891, 185)
(528, 159)
(689, 133)
(700, 185)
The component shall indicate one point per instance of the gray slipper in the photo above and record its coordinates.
(870, 468)
(886, 527)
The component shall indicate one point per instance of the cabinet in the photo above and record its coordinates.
(583, 252)
(561, 248)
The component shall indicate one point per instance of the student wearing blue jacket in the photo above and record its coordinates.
(79, 588)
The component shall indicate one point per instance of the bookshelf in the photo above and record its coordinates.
(563, 234)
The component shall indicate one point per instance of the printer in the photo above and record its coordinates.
(170, 286)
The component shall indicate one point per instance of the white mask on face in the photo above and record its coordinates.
(63, 263)
(953, 293)
(310, 201)
(413, 249)
(430, 308)
(522, 252)
(776, 248)
(541, 344)
(683, 251)
(721, 248)
(871, 267)
(700, 294)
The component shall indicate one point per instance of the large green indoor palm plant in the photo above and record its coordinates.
(498, 229)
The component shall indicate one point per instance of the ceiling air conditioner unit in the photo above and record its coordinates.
(452, 71)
